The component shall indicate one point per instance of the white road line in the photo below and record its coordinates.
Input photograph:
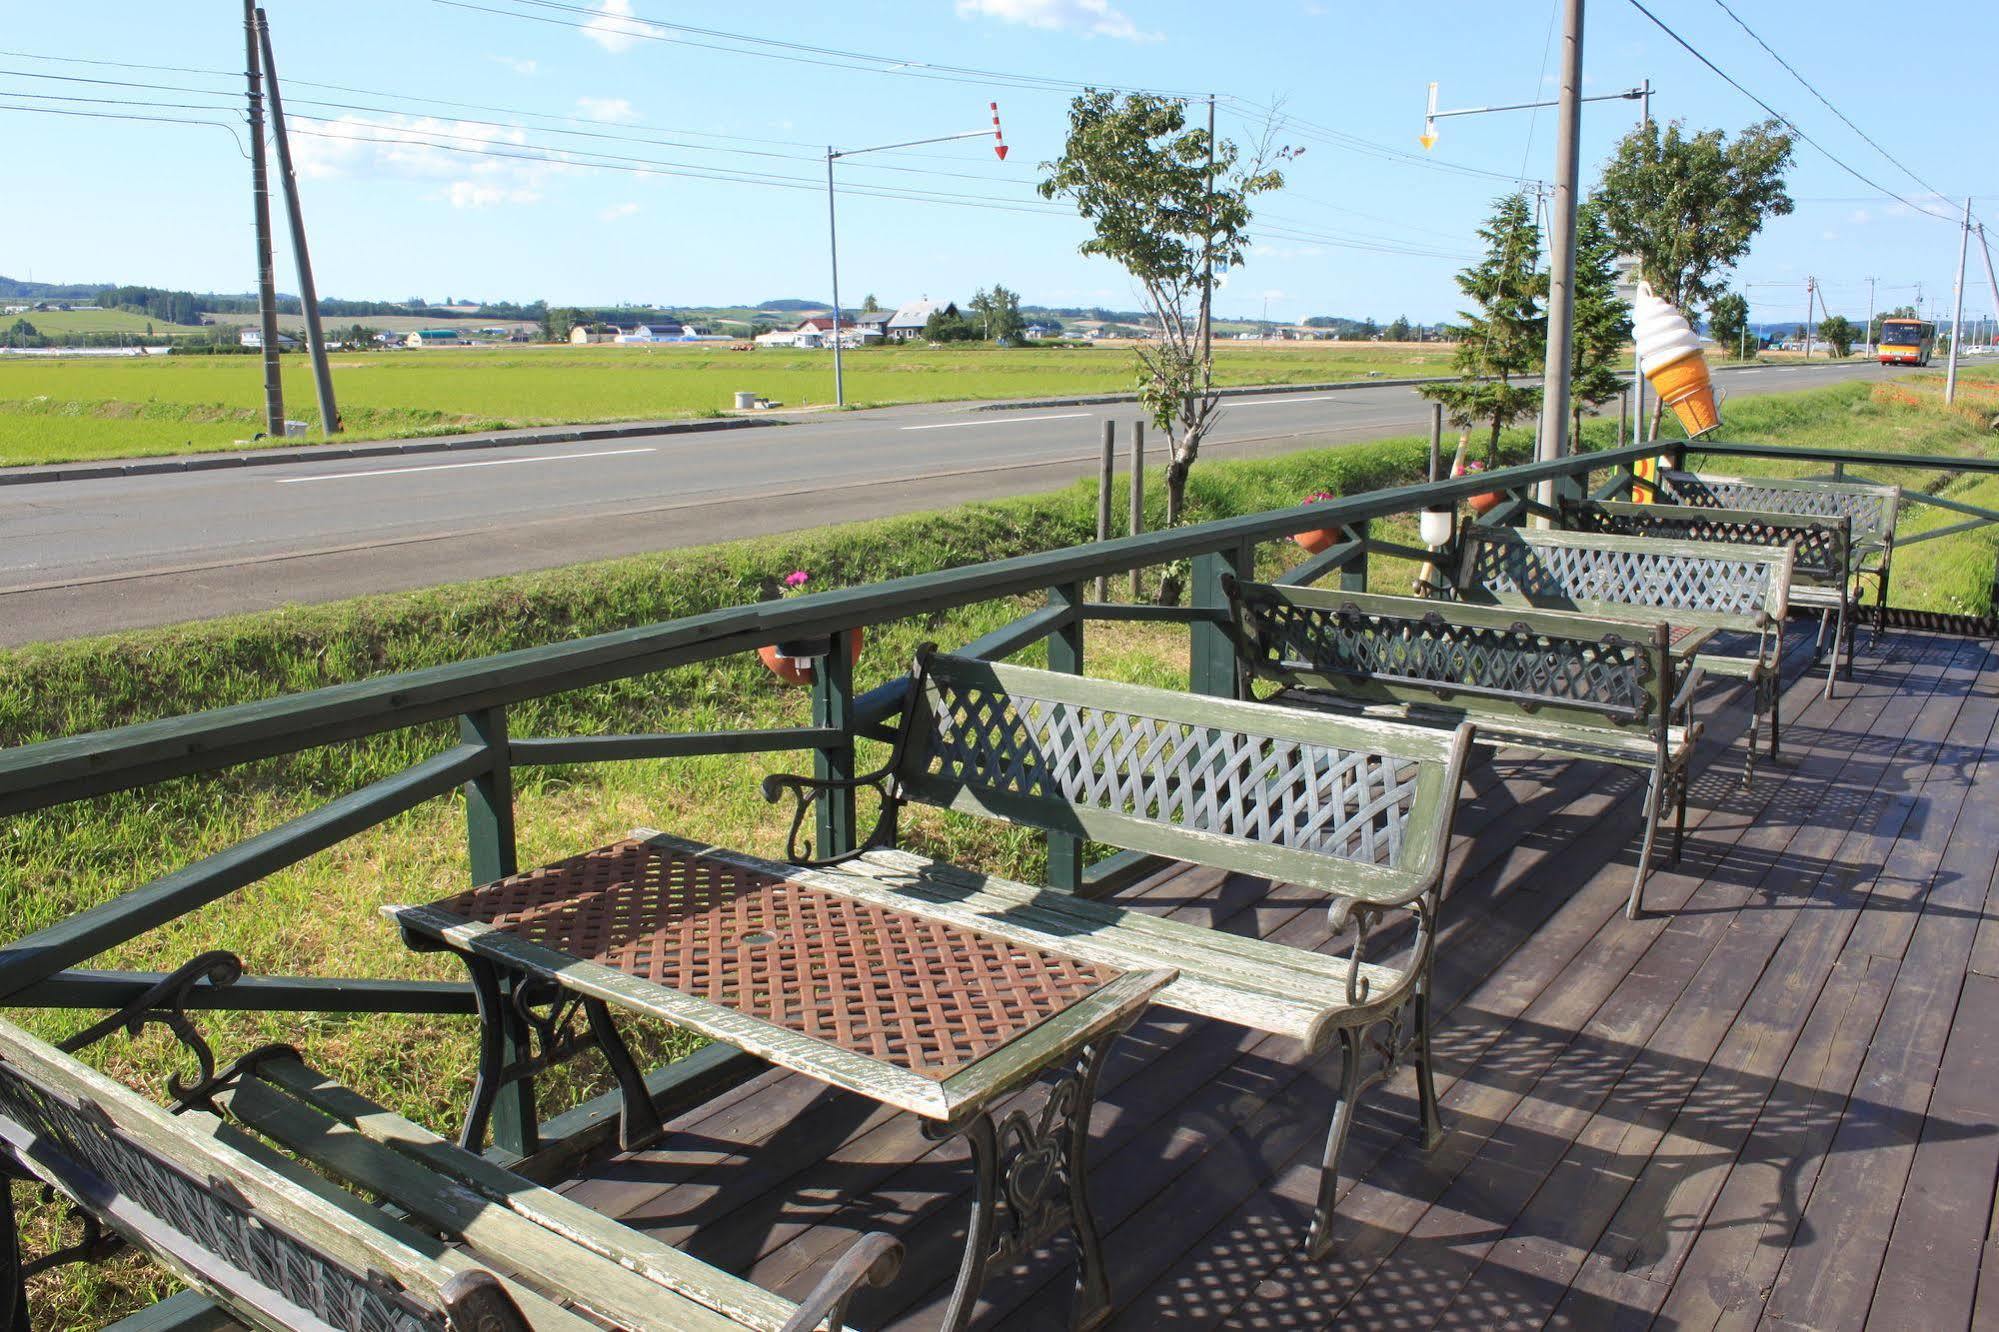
(1004, 420)
(1272, 402)
(449, 467)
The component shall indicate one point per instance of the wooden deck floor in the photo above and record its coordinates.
(1775, 1100)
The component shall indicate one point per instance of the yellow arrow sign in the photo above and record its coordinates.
(1428, 141)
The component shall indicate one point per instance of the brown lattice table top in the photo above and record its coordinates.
(647, 920)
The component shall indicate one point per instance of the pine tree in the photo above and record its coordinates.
(1602, 321)
(1505, 334)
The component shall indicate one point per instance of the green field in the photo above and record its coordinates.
(63, 409)
(56, 323)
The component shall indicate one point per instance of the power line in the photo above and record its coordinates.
(1822, 99)
(1781, 117)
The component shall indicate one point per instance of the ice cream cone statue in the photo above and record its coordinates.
(1669, 352)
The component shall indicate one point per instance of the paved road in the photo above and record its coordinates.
(92, 556)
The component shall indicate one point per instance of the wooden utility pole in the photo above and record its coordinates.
(1553, 439)
(260, 194)
(1957, 309)
(322, 375)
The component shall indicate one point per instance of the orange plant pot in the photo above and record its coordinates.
(1316, 540)
(799, 670)
(1485, 503)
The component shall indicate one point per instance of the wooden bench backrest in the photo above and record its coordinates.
(1355, 808)
(1819, 544)
(260, 1244)
(1871, 508)
(1694, 584)
(1494, 660)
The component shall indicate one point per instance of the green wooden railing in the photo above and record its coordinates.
(44, 968)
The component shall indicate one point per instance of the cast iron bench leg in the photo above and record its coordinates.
(1655, 807)
(491, 1075)
(1032, 1177)
(1404, 1034)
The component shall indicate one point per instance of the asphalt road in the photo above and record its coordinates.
(93, 556)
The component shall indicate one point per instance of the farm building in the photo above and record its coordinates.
(435, 337)
(908, 320)
(252, 336)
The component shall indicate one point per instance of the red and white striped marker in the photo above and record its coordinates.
(999, 140)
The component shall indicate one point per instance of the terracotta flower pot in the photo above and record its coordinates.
(1316, 540)
(796, 666)
(1485, 503)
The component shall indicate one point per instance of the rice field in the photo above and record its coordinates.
(67, 409)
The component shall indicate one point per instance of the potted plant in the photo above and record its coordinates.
(1486, 500)
(1317, 539)
(792, 660)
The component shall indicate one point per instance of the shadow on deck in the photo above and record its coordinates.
(1775, 1099)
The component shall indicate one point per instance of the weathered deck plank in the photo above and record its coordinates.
(1786, 1080)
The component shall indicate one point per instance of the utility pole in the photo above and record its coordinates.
(1811, 289)
(1957, 309)
(1637, 370)
(260, 193)
(1554, 437)
(1872, 350)
(1990, 280)
(315, 342)
(833, 256)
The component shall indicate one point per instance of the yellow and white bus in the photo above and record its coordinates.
(1906, 341)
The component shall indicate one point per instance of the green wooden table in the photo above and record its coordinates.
(896, 1003)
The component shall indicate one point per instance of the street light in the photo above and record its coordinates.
(832, 227)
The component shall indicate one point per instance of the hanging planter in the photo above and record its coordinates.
(1319, 538)
(795, 661)
(1485, 501)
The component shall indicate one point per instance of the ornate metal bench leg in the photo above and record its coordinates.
(1682, 779)
(638, 1118)
(1431, 1122)
(1655, 807)
(13, 1282)
(1320, 1239)
(1032, 1176)
(487, 1081)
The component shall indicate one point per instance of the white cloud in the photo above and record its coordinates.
(427, 148)
(615, 29)
(618, 212)
(524, 68)
(1860, 217)
(1268, 251)
(610, 110)
(1273, 295)
(488, 194)
(1094, 18)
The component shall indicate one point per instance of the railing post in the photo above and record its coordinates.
(1065, 653)
(1353, 574)
(1211, 666)
(489, 842)
(833, 706)
(1104, 474)
(1137, 498)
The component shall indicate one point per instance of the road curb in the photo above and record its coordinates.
(1248, 391)
(211, 462)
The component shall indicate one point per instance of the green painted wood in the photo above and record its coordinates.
(492, 854)
(89, 932)
(685, 744)
(253, 994)
(1136, 613)
(1353, 574)
(1211, 659)
(188, 1311)
(1023, 633)
(1065, 654)
(1330, 560)
(833, 710)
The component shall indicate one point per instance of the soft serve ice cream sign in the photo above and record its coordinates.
(1669, 352)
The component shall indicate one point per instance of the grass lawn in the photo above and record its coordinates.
(66, 409)
(54, 323)
(320, 917)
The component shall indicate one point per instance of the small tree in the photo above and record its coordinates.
(1839, 334)
(1602, 320)
(999, 314)
(1143, 180)
(1688, 206)
(1505, 334)
(868, 304)
(556, 325)
(1399, 330)
(943, 326)
(1728, 320)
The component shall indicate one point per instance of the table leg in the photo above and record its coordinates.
(1031, 1174)
(638, 1119)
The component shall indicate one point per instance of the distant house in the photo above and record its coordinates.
(908, 320)
(1035, 332)
(875, 320)
(650, 333)
(252, 336)
(819, 324)
(434, 337)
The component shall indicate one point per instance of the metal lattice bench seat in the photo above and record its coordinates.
(1870, 508)
(1558, 684)
(1701, 590)
(1358, 809)
(233, 1190)
(1822, 573)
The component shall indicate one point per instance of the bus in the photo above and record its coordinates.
(1906, 341)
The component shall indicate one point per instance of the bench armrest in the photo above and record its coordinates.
(873, 1259)
(1683, 702)
(809, 791)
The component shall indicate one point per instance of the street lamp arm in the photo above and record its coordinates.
(913, 143)
(1629, 95)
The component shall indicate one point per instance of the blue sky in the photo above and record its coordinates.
(394, 211)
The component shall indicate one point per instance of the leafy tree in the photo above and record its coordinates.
(1141, 177)
(999, 313)
(556, 325)
(1399, 330)
(943, 326)
(1505, 334)
(1728, 320)
(1688, 206)
(1899, 312)
(869, 305)
(1839, 333)
(1602, 320)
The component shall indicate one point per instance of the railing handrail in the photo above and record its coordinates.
(57, 771)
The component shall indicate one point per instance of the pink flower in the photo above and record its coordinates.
(797, 578)
(1320, 495)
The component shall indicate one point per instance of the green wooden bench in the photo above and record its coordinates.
(1357, 809)
(1871, 509)
(1701, 590)
(234, 1191)
(1822, 574)
(1558, 684)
